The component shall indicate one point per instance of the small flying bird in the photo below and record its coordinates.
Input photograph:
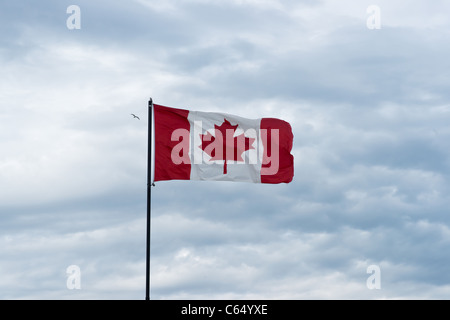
(135, 116)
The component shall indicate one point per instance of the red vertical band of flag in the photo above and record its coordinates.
(167, 120)
(285, 172)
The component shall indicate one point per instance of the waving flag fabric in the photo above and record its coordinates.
(194, 145)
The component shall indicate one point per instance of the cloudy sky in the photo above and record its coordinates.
(370, 111)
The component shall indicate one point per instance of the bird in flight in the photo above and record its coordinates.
(135, 116)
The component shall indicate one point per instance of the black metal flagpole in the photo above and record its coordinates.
(149, 196)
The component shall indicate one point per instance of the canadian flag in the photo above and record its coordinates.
(194, 145)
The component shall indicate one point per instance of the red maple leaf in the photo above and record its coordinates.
(223, 145)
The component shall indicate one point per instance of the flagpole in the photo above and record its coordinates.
(149, 197)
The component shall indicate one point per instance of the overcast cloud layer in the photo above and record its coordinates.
(370, 111)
